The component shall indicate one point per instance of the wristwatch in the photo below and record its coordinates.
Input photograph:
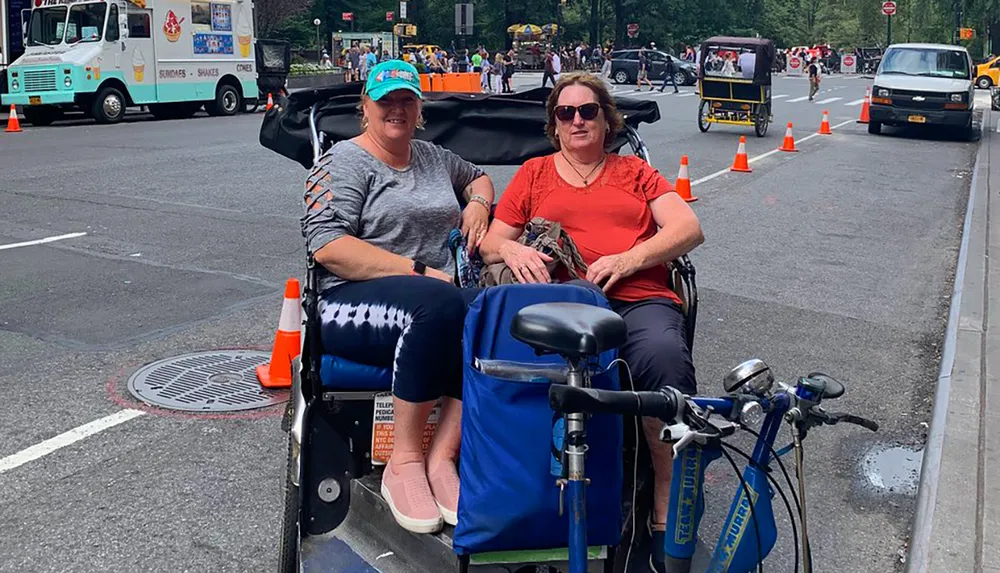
(419, 268)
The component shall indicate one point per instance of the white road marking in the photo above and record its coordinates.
(798, 99)
(779, 96)
(40, 241)
(66, 438)
(829, 100)
(856, 102)
(661, 94)
(686, 94)
(763, 155)
(998, 126)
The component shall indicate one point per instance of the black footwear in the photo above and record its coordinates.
(656, 564)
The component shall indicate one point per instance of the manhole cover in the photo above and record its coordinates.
(217, 381)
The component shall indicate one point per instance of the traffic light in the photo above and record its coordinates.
(966, 33)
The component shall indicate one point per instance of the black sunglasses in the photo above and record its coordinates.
(588, 111)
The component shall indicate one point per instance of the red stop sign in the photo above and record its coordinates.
(794, 62)
(848, 61)
(889, 8)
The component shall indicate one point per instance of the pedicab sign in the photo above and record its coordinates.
(382, 425)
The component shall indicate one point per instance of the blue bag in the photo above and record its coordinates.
(508, 498)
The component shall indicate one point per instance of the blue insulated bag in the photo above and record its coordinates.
(508, 498)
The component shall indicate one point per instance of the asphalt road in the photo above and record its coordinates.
(838, 258)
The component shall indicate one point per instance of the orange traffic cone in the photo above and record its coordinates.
(789, 143)
(865, 106)
(824, 128)
(270, 102)
(684, 182)
(741, 163)
(13, 124)
(278, 372)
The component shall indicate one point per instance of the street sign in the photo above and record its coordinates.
(633, 30)
(847, 65)
(794, 66)
(402, 10)
(888, 7)
(463, 19)
(347, 16)
(388, 16)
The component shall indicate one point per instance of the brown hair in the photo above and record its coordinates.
(615, 121)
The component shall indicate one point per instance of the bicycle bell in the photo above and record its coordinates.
(753, 376)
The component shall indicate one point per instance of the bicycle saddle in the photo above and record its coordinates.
(571, 329)
(826, 386)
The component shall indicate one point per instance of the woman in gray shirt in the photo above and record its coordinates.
(378, 211)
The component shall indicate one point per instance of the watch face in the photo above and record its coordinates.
(419, 267)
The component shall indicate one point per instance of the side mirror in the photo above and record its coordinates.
(123, 26)
(24, 29)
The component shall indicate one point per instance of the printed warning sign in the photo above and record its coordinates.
(382, 428)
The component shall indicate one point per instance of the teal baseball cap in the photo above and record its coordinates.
(392, 75)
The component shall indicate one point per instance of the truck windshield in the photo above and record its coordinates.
(926, 62)
(86, 23)
(47, 26)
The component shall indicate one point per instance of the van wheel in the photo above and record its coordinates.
(108, 106)
(984, 82)
(227, 101)
(874, 127)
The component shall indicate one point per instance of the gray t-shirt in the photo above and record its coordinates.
(408, 212)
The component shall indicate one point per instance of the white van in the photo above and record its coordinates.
(923, 84)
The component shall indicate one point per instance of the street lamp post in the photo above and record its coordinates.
(319, 48)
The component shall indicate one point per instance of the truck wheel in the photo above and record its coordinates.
(874, 127)
(227, 101)
(109, 106)
(40, 116)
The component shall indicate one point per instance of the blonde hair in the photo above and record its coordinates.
(615, 121)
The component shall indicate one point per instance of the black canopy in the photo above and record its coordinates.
(762, 48)
(484, 129)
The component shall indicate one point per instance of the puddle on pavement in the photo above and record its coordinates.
(893, 469)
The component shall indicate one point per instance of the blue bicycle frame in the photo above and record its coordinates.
(741, 545)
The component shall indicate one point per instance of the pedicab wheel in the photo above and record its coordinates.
(288, 560)
(703, 112)
(760, 122)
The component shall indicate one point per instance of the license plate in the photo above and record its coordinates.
(917, 119)
(35, 100)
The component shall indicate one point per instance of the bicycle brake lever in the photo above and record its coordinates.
(835, 418)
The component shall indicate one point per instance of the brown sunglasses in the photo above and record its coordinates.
(588, 111)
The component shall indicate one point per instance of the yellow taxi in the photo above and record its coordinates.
(988, 74)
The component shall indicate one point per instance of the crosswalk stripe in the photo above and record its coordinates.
(798, 99)
(856, 102)
(686, 94)
(829, 100)
(661, 94)
(779, 96)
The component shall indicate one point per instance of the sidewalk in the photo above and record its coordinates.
(958, 502)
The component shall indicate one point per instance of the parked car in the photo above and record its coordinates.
(923, 84)
(625, 67)
(988, 74)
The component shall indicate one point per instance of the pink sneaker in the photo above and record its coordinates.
(409, 497)
(444, 485)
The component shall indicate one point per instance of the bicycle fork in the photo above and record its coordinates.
(801, 478)
(575, 483)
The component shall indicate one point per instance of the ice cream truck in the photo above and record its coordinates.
(171, 56)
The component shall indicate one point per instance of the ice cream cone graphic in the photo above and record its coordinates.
(138, 65)
(244, 33)
(96, 67)
(172, 26)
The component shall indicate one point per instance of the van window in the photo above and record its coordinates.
(928, 62)
(111, 33)
(138, 25)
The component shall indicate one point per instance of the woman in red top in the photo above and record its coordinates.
(628, 224)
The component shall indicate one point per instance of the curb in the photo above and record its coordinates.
(952, 549)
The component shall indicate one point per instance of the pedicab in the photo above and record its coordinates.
(729, 96)
(274, 58)
(554, 469)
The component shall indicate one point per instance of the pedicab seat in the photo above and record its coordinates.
(342, 374)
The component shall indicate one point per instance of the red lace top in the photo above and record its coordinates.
(608, 217)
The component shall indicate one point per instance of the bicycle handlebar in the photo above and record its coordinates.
(664, 404)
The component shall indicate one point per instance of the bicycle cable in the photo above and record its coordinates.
(781, 492)
(750, 502)
(635, 462)
(788, 479)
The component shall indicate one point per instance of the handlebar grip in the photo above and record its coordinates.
(863, 422)
(569, 399)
